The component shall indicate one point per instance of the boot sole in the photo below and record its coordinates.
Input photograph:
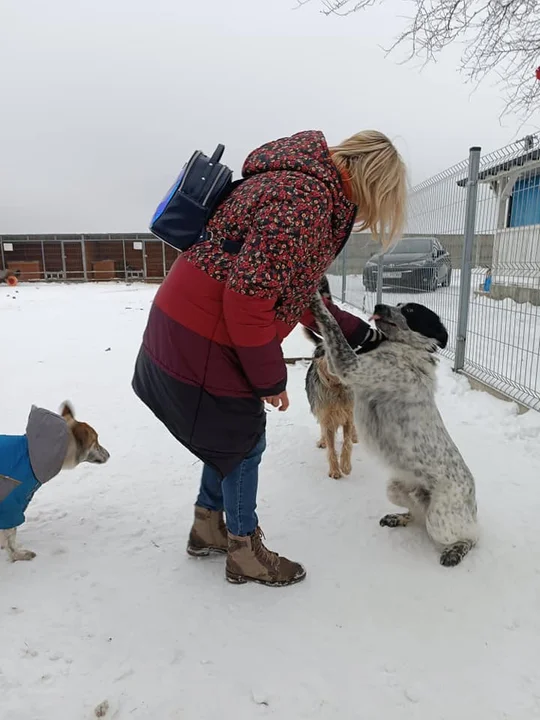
(204, 552)
(244, 579)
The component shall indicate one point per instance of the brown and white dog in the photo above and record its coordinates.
(331, 402)
(52, 443)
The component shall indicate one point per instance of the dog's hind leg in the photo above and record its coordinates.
(397, 493)
(416, 500)
(333, 462)
(393, 520)
(346, 450)
(8, 541)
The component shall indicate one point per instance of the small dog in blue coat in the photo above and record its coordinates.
(51, 443)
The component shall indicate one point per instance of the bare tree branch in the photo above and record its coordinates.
(501, 38)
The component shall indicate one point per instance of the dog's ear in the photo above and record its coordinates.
(67, 412)
(442, 337)
(424, 321)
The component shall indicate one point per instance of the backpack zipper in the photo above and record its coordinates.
(188, 167)
(220, 173)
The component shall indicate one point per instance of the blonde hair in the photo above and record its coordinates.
(376, 173)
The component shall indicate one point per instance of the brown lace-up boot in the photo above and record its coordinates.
(248, 560)
(208, 533)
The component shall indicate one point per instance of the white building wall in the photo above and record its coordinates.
(516, 255)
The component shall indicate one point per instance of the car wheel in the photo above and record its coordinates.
(448, 279)
(432, 282)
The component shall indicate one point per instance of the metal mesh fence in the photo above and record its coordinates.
(470, 252)
(503, 343)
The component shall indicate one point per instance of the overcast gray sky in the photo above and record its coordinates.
(102, 101)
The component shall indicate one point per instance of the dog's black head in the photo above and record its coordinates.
(416, 317)
(424, 321)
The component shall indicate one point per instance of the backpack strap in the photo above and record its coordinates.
(217, 154)
(232, 247)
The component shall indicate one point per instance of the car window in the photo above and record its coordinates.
(414, 245)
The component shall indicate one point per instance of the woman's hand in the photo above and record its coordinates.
(280, 401)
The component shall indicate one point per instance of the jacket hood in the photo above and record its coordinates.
(306, 152)
(47, 434)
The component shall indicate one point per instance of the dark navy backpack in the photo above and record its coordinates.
(181, 217)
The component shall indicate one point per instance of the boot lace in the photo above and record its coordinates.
(262, 552)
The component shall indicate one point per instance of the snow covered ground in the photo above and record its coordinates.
(113, 609)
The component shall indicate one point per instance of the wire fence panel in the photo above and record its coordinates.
(346, 273)
(503, 346)
(424, 266)
(499, 344)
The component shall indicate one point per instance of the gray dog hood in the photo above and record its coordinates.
(47, 434)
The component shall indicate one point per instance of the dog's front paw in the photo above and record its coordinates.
(321, 444)
(395, 520)
(24, 555)
(335, 473)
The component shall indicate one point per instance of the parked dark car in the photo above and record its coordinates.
(420, 263)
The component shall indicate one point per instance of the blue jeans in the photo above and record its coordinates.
(236, 493)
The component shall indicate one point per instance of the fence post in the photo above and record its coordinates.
(380, 278)
(466, 259)
(124, 257)
(144, 268)
(83, 258)
(43, 260)
(63, 254)
(344, 274)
